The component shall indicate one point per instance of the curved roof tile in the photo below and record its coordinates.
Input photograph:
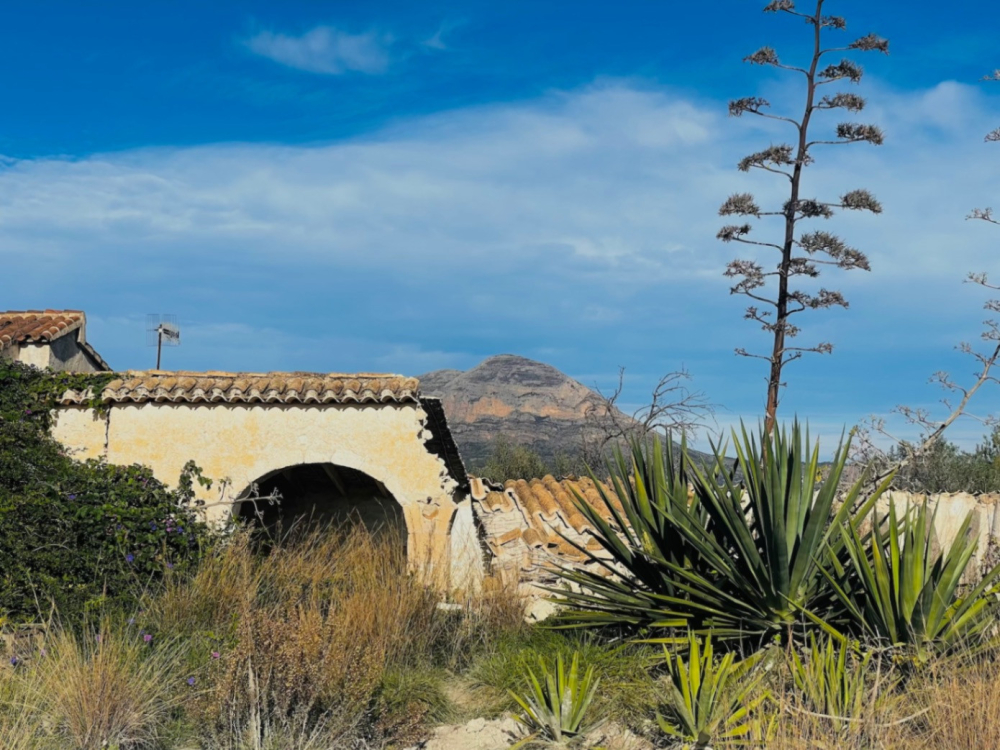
(161, 386)
(18, 327)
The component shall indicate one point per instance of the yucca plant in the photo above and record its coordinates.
(709, 700)
(834, 679)
(898, 591)
(558, 707)
(644, 541)
(743, 559)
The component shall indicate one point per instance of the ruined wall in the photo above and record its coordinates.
(532, 526)
(64, 354)
(241, 443)
(951, 511)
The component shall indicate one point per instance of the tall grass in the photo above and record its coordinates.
(111, 689)
(323, 640)
(316, 637)
(18, 720)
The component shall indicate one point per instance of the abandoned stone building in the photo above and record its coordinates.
(333, 445)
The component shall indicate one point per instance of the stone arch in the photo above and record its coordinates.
(322, 493)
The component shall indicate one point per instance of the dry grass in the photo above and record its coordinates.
(18, 724)
(111, 689)
(324, 641)
(315, 637)
(963, 702)
(107, 688)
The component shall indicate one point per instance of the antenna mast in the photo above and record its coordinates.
(162, 330)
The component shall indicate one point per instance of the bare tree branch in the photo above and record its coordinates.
(672, 408)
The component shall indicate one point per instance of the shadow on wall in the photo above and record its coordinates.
(323, 495)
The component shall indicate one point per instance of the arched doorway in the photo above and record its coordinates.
(322, 494)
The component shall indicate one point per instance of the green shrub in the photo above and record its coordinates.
(509, 460)
(408, 699)
(707, 699)
(947, 468)
(742, 559)
(558, 704)
(76, 534)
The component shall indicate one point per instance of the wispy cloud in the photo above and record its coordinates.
(437, 39)
(325, 49)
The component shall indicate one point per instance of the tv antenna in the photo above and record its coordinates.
(161, 331)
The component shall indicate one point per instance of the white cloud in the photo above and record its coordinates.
(325, 49)
(582, 222)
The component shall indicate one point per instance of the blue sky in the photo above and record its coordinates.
(404, 187)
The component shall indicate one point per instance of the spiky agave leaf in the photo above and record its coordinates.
(898, 591)
(642, 541)
(709, 699)
(558, 705)
(833, 679)
(743, 558)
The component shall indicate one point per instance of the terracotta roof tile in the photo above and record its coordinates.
(533, 538)
(254, 388)
(18, 327)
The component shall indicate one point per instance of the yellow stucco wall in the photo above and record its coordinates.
(83, 431)
(243, 443)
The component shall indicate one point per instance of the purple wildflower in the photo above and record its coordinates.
(170, 565)
(215, 654)
(191, 681)
(147, 638)
(14, 660)
(129, 557)
(72, 497)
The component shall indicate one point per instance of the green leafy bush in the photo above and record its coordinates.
(76, 534)
(945, 467)
(508, 460)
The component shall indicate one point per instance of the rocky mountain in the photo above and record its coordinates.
(530, 402)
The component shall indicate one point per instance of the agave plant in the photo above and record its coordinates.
(559, 705)
(833, 679)
(743, 559)
(709, 700)
(644, 541)
(898, 591)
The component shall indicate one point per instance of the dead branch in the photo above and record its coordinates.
(672, 408)
(933, 429)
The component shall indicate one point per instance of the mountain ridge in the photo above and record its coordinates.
(529, 402)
